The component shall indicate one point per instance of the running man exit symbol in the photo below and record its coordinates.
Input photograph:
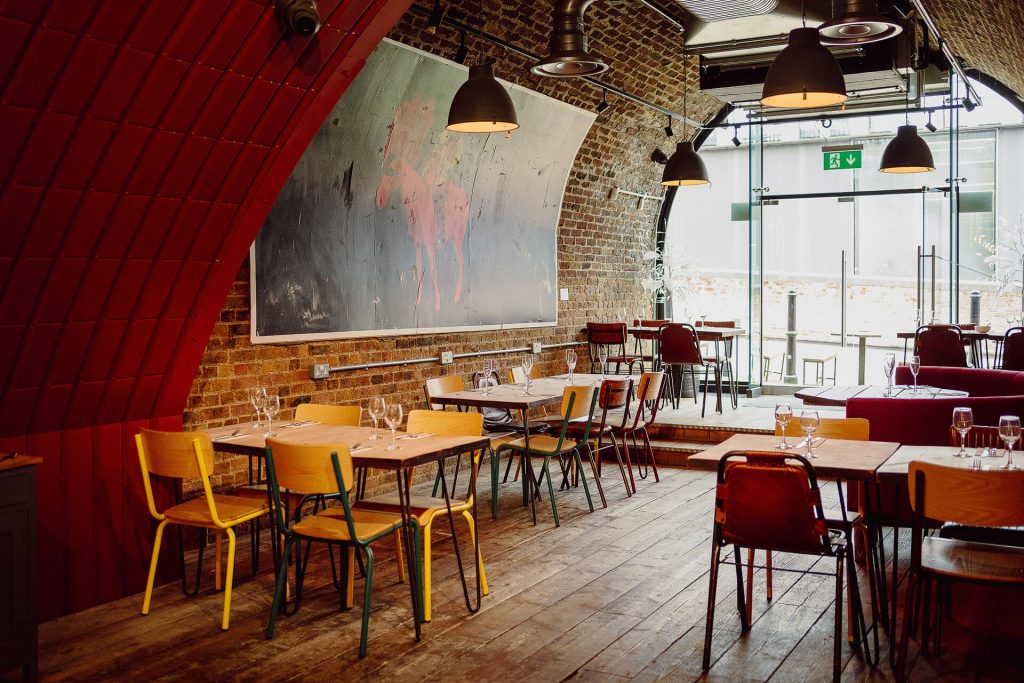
(837, 161)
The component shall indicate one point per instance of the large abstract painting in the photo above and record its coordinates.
(391, 224)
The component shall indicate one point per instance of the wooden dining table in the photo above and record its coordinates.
(839, 395)
(838, 459)
(543, 391)
(413, 450)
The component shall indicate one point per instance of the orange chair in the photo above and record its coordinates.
(771, 501)
(189, 455)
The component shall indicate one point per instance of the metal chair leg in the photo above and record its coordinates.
(712, 591)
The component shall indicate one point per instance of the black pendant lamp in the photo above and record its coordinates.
(804, 75)
(685, 167)
(482, 104)
(907, 153)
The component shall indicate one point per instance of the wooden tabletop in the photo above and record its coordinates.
(838, 396)
(896, 467)
(702, 332)
(544, 391)
(19, 461)
(967, 334)
(862, 335)
(837, 458)
(411, 451)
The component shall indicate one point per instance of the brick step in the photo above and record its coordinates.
(698, 433)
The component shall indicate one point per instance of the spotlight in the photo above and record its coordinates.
(603, 104)
(463, 51)
(659, 157)
(930, 126)
(969, 104)
(300, 16)
(668, 129)
(436, 17)
(736, 137)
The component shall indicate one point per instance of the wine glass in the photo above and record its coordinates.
(915, 367)
(271, 407)
(889, 366)
(602, 357)
(393, 418)
(570, 362)
(783, 414)
(376, 410)
(257, 397)
(1009, 431)
(527, 367)
(809, 423)
(703, 319)
(963, 421)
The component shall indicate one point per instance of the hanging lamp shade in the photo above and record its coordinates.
(907, 153)
(685, 167)
(482, 105)
(804, 75)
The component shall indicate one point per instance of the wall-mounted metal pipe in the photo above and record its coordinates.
(437, 359)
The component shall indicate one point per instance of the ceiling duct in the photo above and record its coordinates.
(719, 10)
(857, 22)
(568, 54)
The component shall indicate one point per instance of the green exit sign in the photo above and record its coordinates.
(837, 161)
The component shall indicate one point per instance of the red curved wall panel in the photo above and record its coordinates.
(144, 142)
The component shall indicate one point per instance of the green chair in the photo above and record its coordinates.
(578, 404)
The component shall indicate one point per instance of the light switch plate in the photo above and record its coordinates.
(320, 371)
(563, 294)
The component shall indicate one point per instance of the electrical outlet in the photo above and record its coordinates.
(320, 371)
(447, 358)
(563, 294)
(535, 347)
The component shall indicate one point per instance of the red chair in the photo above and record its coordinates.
(612, 336)
(649, 335)
(613, 396)
(648, 397)
(1013, 349)
(772, 502)
(680, 348)
(723, 356)
(940, 345)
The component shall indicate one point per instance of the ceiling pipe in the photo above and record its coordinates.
(953, 61)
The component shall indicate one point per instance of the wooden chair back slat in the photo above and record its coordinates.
(849, 428)
(445, 423)
(974, 497)
(309, 468)
(435, 386)
(581, 405)
(172, 454)
(614, 393)
(980, 436)
(341, 416)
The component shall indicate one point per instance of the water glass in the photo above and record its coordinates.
(393, 418)
(809, 423)
(489, 370)
(570, 362)
(1009, 431)
(783, 414)
(889, 366)
(376, 410)
(963, 421)
(527, 368)
(271, 407)
(257, 397)
(602, 357)
(915, 367)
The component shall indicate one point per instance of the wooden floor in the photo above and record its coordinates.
(614, 595)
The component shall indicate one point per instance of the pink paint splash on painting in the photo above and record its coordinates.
(414, 173)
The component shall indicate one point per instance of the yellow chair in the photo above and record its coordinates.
(325, 470)
(189, 455)
(436, 386)
(340, 416)
(425, 509)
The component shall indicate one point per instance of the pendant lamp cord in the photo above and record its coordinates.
(803, 13)
(686, 87)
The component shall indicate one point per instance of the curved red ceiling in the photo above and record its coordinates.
(144, 143)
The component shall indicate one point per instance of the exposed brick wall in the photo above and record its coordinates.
(600, 240)
(986, 34)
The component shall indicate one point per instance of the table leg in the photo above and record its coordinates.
(528, 482)
(455, 537)
(862, 349)
(415, 578)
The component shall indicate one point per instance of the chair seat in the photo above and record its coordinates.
(979, 561)
(576, 429)
(422, 507)
(329, 524)
(543, 444)
(230, 509)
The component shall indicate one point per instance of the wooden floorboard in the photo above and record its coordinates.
(615, 595)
